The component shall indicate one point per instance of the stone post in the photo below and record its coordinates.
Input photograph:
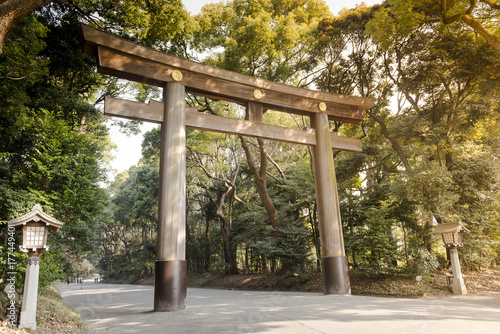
(458, 285)
(30, 294)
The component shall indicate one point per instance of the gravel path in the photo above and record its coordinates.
(117, 308)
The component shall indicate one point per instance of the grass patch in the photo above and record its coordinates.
(53, 316)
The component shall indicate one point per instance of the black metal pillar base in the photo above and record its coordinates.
(336, 275)
(170, 285)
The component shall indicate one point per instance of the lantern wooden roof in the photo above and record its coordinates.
(37, 215)
(450, 228)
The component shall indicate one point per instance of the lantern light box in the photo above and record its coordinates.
(36, 225)
(451, 234)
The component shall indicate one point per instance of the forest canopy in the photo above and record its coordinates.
(431, 143)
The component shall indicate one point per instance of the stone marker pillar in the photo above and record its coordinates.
(333, 261)
(171, 266)
(30, 293)
(458, 284)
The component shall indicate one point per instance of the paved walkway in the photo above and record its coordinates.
(114, 308)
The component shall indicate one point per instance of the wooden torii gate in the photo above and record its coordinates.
(177, 76)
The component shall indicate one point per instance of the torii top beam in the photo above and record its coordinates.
(124, 59)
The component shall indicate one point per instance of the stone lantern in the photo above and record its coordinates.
(35, 225)
(451, 238)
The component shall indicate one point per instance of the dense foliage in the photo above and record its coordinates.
(54, 145)
(431, 143)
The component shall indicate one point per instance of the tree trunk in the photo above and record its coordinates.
(263, 263)
(12, 12)
(260, 177)
(427, 238)
(229, 252)
(226, 233)
(449, 151)
(208, 252)
(490, 38)
(394, 143)
(407, 258)
(246, 259)
(315, 236)
(188, 232)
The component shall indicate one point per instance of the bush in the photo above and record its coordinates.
(422, 261)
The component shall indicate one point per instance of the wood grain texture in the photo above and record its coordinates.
(172, 192)
(153, 112)
(128, 60)
(330, 225)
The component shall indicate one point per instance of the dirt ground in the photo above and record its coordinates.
(477, 282)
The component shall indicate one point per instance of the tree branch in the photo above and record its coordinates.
(12, 12)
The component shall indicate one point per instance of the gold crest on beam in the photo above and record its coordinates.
(177, 75)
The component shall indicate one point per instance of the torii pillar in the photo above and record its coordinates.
(171, 265)
(333, 260)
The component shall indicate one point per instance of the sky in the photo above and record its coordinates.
(194, 6)
(128, 151)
